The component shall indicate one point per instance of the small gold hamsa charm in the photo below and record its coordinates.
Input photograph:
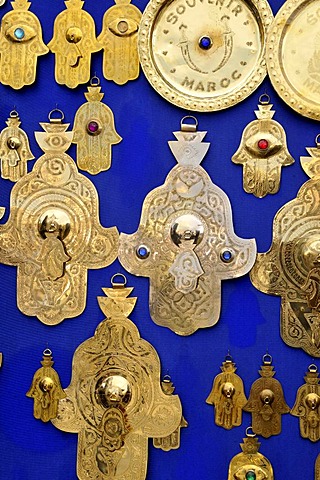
(94, 131)
(14, 149)
(266, 401)
(172, 441)
(119, 39)
(46, 389)
(291, 268)
(185, 242)
(73, 42)
(115, 402)
(227, 396)
(250, 464)
(262, 152)
(307, 405)
(20, 45)
(53, 233)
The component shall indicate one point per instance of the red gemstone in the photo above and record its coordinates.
(93, 127)
(263, 144)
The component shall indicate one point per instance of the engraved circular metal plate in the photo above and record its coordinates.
(204, 55)
(293, 52)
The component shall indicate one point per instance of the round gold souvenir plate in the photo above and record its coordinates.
(204, 55)
(293, 56)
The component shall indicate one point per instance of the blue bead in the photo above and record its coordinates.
(205, 43)
(143, 252)
(226, 256)
(19, 33)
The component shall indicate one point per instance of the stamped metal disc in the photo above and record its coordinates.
(293, 53)
(204, 55)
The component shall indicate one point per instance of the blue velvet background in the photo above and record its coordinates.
(249, 322)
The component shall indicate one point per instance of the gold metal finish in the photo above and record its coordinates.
(262, 152)
(119, 38)
(171, 442)
(14, 149)
(266, 401)
(20, 45)
(204, 55)
(250, 464)
(53, 233)
(291, 268)
(185, 242)
(94, 132)
(115, 402)
(307, 405)
(46, 389)
(73, 42)
(293, 56)
(228, 396)
(317, 468)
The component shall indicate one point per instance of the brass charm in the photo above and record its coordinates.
(53, 233)
(250, 464)
(94, 131)
(20, 45)
(317, 468)
(185, 242)
(172, 441)
(46, 389)
(291, 268)
(293, 56)
(228, 396)
(204, 56)
(73, 42)
(307, 405)
(14, 149)
(266, 401)
(262, 152)
(119, 38)
(114, 402)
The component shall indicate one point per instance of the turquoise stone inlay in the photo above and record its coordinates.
(19, 33)
(250, 475)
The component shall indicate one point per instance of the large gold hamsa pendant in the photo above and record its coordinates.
(115, 401)
(119, 39)
(185, 242)
(53, 234)
(73, 42)
(250, 464)
(20, 45)
(291, 268)
(94, 131)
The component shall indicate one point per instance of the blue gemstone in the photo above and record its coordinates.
(19, 33)
(143, 252)
(226, 256)
(205, 43)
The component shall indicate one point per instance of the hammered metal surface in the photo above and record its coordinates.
(73, 42)
(119, 39)
(94, 150)
(53, 234)
(290, 268)
(186, 272)
(228, 397)
(113, 439)
(250, 461)
(176, 59)
(293, 56)
(19, 54)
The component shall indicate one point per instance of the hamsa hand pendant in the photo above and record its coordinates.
(266, 401)
(20, 45)
(114, 401)
(262, 152)
(94, 131)
(53, 234)
(291, 268)
(14, 149)
(73, 42)
(119, 39)
(307, 405)
(185, 242)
